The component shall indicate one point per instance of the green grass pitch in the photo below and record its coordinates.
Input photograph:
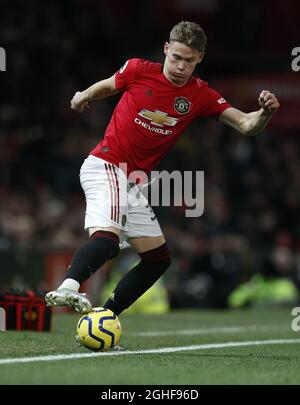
(254, 346)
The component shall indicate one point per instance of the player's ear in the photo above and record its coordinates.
(166, 47)
(200, 57)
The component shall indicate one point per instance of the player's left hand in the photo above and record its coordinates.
(79, 102)
(268, 101)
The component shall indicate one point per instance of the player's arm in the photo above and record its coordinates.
(254, 122)
(104, 88)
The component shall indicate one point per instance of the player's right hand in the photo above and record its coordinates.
(79, 102)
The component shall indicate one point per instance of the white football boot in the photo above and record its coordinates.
(70, 298)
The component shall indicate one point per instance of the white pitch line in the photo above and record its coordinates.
(148, 351)
(207, 331)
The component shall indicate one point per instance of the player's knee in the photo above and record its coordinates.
(114, 251)
(158, 258)
(108, 242)
(165, 263)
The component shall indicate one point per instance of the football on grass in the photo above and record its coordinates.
(99, 329)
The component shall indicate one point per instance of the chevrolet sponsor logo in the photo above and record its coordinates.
(158, 118)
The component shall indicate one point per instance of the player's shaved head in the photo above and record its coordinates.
(190, 34)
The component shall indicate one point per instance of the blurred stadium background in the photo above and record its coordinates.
(250, 228)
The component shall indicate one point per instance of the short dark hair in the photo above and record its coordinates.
(190, 34)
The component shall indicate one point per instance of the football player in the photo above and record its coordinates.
(157, 103)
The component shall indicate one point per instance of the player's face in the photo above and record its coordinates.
(180, 62)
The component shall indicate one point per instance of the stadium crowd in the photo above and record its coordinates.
(252, 197)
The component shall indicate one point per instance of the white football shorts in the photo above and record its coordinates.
(112, 201)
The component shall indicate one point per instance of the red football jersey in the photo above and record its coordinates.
(151, 115)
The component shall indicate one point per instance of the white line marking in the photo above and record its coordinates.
(206, 331)
(149, 351)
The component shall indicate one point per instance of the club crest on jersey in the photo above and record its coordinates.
(182, 105)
